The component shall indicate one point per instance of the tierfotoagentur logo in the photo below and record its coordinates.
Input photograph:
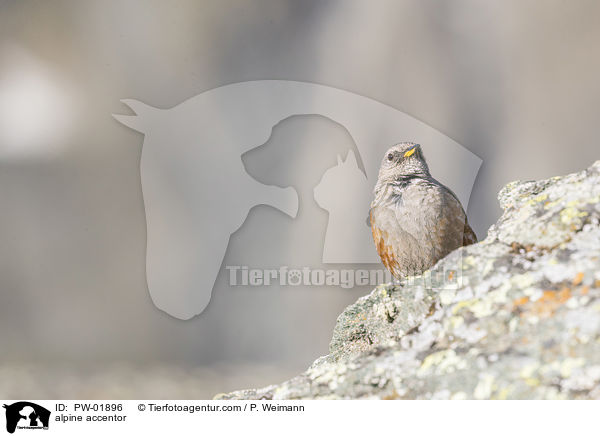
(306, 276)
(26, 415)
(199, 187)
(344, 278)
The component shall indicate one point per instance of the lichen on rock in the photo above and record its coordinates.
(518, 315)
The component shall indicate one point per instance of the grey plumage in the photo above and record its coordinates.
(415, 219)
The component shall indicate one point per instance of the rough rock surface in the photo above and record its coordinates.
(514, 316)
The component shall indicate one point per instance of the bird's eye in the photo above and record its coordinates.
(390, 156)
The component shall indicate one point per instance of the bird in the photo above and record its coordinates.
(415, 220)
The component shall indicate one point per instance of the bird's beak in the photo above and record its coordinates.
(410, 151)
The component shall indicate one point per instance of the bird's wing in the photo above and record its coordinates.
(459, 224)
(469, 236)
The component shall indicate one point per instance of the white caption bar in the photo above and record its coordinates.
(298, 417)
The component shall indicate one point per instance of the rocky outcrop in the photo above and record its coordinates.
(514, 316)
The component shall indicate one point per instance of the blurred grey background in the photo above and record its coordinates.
(516, 82)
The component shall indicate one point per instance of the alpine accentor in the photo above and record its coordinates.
(415, 219)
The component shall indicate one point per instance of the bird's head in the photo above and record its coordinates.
(403, 160)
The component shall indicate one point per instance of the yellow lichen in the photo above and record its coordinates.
(463, 304)
(537, 199)
(485, 387)
(482, 308)
(570, 214)
(528, 370)
(460, 395)
(532, 381)
(521, 301)
(578, 279)
(456, 321)
(544, 306)
(444, 361)
(567, 366)
(503, 394)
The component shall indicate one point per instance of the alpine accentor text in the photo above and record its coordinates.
(415, 219)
